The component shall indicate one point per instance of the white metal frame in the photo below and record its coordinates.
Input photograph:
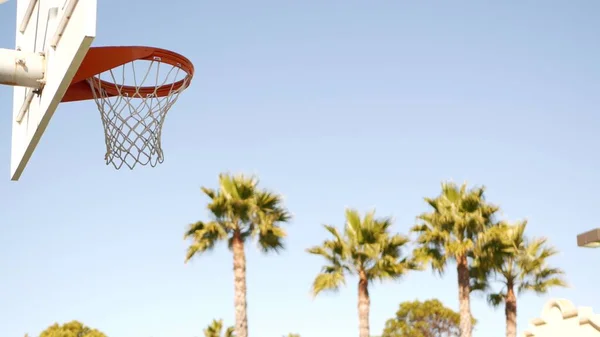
(52, 38)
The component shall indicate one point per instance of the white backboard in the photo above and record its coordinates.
(63, 30)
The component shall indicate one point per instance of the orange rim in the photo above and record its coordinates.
(101, 59)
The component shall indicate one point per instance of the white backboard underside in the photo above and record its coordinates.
(62, 63)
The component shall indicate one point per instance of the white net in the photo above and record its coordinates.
(133, 113)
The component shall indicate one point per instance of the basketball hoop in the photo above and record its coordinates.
(134, 88)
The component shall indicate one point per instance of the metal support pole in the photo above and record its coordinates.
(23, 69)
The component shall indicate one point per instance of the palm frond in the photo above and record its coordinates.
(496, 299)
(204, 237)
(336, 234)
(352, 229)
(543, 280)
(328, 281)
(432, 256)
(230, 332)
(271, 239)
(480, 277)
(193, 228)
(366, 248)
(211, 193)
(214, 329)
(319, 250)
(220, 210)
(479, 285)
(227, 186)
(393, 247)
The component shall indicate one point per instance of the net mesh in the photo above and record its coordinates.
(133, 116)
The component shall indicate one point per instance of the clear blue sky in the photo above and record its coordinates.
(333, 104)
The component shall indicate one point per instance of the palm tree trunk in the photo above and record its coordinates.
(363, 305)
(464, 296)
(239, 282)
(510, 310)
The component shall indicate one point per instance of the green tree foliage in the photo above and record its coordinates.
(423, 319)
(456, 228)
(520, 264)
(216, 328)
(71, 329)
(366, 249)
(240, 211)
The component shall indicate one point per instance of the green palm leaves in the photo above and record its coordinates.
(365, 247)
(239, 207)
(521, 262)
(455, 227)
(216, 328)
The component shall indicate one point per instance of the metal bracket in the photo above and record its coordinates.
(30, 94)
(26, 104)
(70, 8)
(27, 16)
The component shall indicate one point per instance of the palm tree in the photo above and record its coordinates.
(455, 229)
(240, 211)
(366, 249)
(521, 265)
(216, 327)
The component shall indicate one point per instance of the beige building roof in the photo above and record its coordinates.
(560, 318)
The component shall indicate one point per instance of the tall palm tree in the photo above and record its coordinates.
(455, 229)
(521, 264)
(216, 327)
(366, 249)
(240, 211)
